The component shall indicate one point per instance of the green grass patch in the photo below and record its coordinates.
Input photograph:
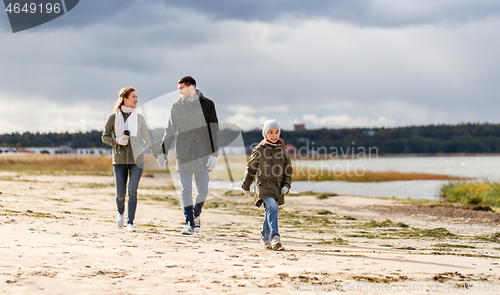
(422, 202)
(385, 223)
(249, 211)
(367, 176)
(494, 237)
(149, 225)
(323, 212)
(172, 201)
(323, 196)
(370, 236)
(403, 232)
(406, 248)
(30, 213)
(344, 217)
(228, 204)
(234, 193)
(483, 193)
(439, 232)
(304, 220)
(451, 246)
(334, 241)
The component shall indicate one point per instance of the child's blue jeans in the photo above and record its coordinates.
(270, 226)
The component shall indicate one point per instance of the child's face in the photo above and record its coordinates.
(273, 135)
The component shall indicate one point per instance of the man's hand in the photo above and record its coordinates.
(122, 140)
(284, 190)
(212, 162)
(162, 160)
(248, 193)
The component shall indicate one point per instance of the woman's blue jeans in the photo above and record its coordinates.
(133, 173)
(270, 226)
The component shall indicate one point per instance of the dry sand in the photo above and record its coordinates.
(59, 237)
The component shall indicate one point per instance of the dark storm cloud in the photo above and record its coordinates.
(359, 12)
(383, 13)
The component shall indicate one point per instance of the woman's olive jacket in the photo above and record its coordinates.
(131, 153)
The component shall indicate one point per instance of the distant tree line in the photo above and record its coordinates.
(75, 140)
(462, 138)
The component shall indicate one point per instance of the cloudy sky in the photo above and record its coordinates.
(355, 63)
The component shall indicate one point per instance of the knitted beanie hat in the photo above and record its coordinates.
(268, 125)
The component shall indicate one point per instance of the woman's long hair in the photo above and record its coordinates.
(125, 92)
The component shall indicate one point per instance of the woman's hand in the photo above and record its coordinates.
(162, 160)
(122, 140)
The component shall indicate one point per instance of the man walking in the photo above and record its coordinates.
(193, 120)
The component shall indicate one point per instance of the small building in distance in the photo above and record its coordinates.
(58, 150)
(47, 150)
(8, 150)
(298, 127)
(93, 151)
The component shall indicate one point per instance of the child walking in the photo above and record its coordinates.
(271, 167)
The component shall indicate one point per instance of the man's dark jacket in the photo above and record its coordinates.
(196, 126)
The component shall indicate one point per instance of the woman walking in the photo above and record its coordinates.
(122, 132)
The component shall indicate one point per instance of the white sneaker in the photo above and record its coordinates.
(120, 220)
(131, 228)
(276, 243)
(197, 224)
(187, 231)
(265, 243)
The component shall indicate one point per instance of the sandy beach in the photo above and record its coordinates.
(59, 236)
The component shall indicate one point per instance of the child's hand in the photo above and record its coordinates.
(284, 190)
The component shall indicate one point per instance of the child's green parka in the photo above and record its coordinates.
(272, 169)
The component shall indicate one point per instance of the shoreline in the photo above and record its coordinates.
(350, 157)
